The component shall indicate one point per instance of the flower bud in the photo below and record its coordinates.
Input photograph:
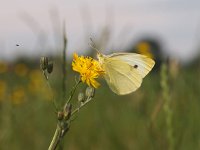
(50, 67)
(43, 63)
(60, 115)
(67, 111)
(90, 91)
(63, 124)
(81, 97)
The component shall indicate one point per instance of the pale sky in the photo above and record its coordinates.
(175, 22)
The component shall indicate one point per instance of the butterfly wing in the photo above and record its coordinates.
(121, 77)
(142, 63)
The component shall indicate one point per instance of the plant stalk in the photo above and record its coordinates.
(64, 62)
(56, 138)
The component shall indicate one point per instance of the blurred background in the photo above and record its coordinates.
(162, 114)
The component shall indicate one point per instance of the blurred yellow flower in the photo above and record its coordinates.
(3, 67)
(88, 68)
(36, 81)
(37, 84)
(3, 88)
(35, 74)
(18, 96)
(21, 69)
(144, 48)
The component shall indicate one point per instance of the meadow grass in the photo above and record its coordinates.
(136, 121)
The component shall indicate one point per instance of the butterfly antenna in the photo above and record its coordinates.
(93, 46)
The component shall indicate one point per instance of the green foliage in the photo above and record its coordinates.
(136, 121)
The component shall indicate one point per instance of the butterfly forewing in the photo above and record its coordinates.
(121, 77)
(141, 63)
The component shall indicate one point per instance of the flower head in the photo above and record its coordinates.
(88, 68)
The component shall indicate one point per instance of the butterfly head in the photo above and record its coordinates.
(100, 57)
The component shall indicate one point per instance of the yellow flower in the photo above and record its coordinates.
(88, 68)
(145, 49)
(21, 69)
(18, 96)
(3, 67)
(3, 89)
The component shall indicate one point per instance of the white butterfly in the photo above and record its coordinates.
(124, 71)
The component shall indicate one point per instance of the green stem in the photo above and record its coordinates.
(58, 133)
(72, 92)
(56, 138)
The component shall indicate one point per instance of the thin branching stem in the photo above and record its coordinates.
(73, 91)
(81, 106)
(51, 90)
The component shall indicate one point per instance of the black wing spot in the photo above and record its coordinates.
(135, 66)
